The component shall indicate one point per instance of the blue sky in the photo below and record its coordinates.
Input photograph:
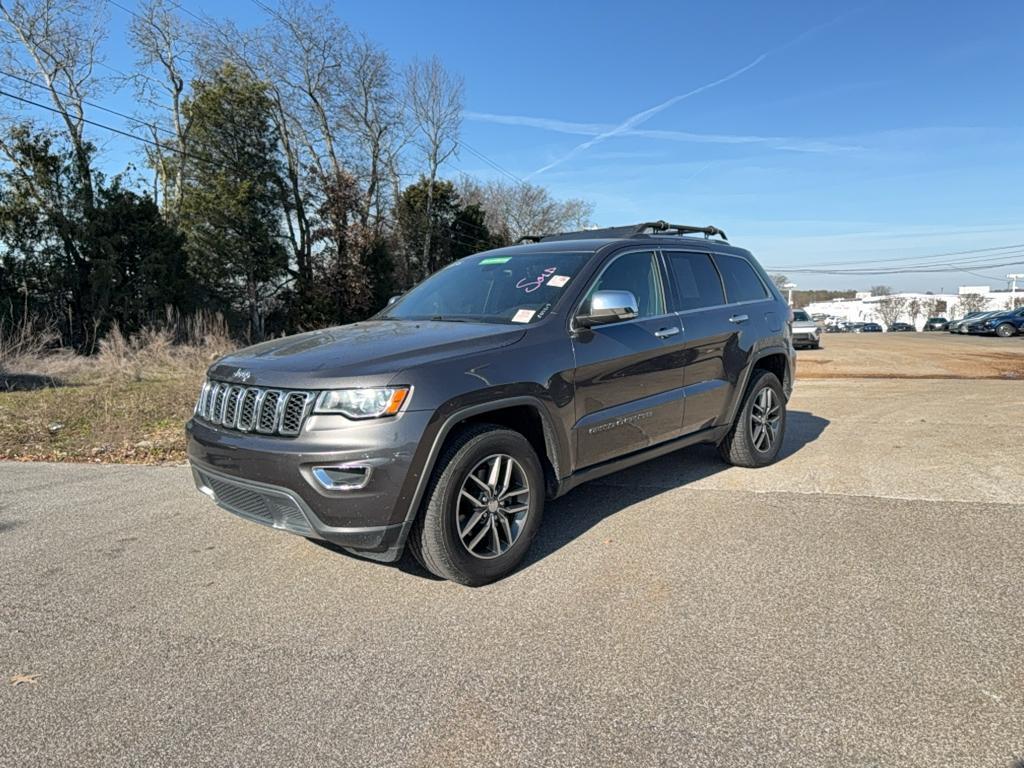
(811, 132)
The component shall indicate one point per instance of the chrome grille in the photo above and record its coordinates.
(252, 409)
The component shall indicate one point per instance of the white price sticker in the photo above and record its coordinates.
(523, 316)
(558, 281)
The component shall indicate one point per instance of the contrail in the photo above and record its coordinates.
(793, 144)
(641, 117)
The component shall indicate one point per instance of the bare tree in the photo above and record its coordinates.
(915, 309)
(928, 307)
(880, 290)
(165, 44)
(372, 115)
(435, 99)
(515, 210)
(51, 47)
(971, 302)
(891, 308)
(54, 44)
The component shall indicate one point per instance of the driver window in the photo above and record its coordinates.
(637, 273)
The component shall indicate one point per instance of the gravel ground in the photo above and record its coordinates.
(857, 604)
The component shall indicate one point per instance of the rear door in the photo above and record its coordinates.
(712, 351)
(629, 378)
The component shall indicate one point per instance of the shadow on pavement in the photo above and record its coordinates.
(569, 517)
(572, 515)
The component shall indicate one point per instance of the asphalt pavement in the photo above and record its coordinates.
(857, 604)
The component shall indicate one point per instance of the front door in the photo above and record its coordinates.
(629, 380)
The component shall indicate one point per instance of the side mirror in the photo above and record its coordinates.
(609, 307)
(393, 299)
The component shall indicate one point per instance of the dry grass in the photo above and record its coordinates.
(127, 403)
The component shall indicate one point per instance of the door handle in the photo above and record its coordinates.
(664, 333)
(738, 319)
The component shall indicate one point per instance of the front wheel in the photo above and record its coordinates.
(482, 507)
(756, 436)
(1005, 330)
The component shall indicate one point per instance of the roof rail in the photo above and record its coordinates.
(664, 228)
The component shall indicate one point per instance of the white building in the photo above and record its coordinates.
(864, 308)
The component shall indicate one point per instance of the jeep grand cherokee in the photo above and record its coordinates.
(507, 378)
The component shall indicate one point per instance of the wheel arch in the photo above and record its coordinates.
(774, 359)
(524, 414)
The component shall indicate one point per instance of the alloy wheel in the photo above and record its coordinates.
(492, 506)
(765, 418)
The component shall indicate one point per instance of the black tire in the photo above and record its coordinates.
(816, 345)
(739, 448)
(1006, 330)
(434, 538)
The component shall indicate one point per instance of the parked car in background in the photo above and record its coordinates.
(806, 333)
(870, 328)
(955, 326)
(1004, 324)
(902, 328)
(853, 327)
(936, 324)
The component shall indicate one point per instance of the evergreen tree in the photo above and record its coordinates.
(231, 203)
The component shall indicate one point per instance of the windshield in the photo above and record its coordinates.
(491, 289)
(801, 315)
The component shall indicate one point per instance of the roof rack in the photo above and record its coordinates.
(647, 228)
(662, 227)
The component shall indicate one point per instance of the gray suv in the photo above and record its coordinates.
(507, 378)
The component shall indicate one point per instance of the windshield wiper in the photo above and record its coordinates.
(446, 319)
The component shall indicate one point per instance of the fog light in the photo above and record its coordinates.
(343, 477)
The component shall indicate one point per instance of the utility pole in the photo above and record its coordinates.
(1013, 286)
(790, 287)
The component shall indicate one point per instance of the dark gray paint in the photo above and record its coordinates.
(608, 396)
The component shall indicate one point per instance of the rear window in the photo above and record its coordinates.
(741, 281)
(696, 280)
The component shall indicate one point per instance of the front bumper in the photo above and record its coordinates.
(270, 480)
(282, 509)
(801, 337)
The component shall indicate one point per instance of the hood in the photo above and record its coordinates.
(804, 324)
(362, 354)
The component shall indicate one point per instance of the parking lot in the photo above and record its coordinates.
(856, 604)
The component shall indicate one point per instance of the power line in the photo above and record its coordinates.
(127, 134)
(87, 103)
(931, 269)
(908, 258)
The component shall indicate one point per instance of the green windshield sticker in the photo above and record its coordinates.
(495, 260)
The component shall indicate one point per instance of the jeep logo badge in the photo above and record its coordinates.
(242, 374)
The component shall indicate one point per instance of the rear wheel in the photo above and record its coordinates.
(482, 507)
(756, 436)
(1005, 330)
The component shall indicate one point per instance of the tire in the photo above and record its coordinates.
(742, 447)
(816, 345)
(1006, 330)
(435, 538)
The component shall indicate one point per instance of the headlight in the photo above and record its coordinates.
(363, 403)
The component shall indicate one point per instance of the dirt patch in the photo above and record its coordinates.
(913, 356)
